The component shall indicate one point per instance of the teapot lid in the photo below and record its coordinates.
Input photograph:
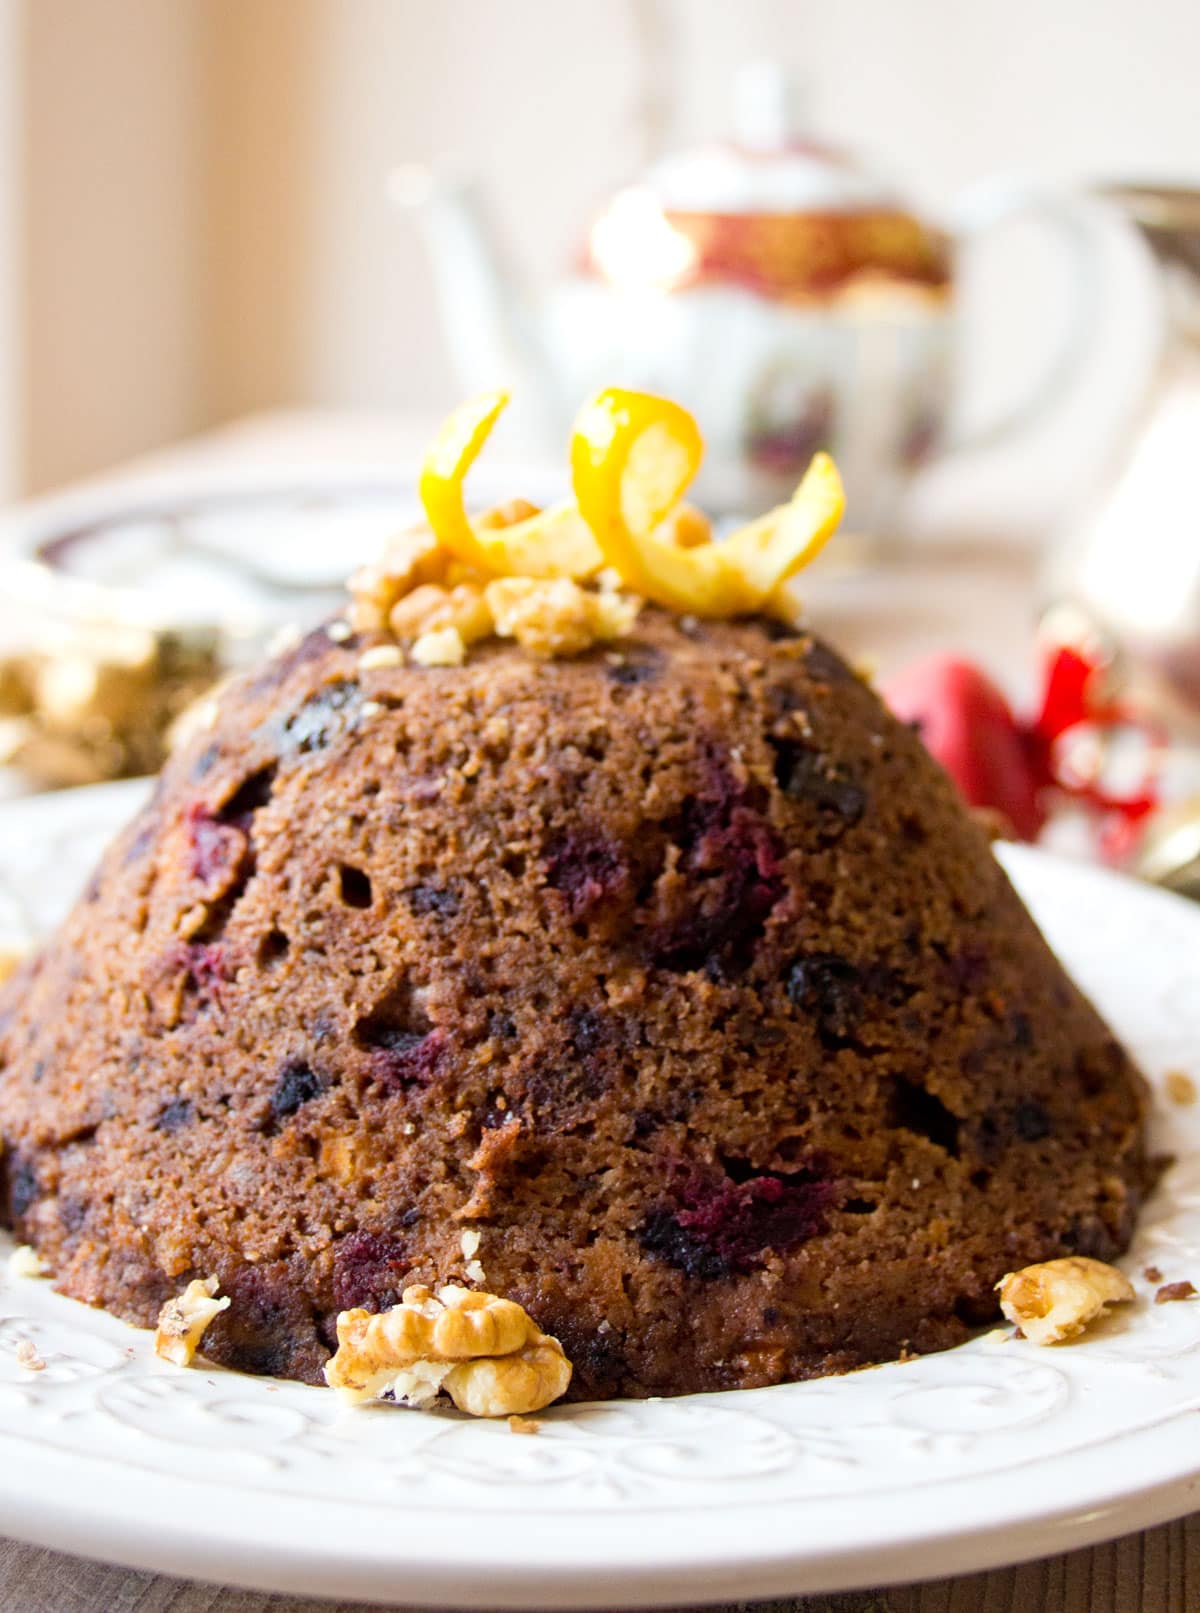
(771, 164)
(783, 216)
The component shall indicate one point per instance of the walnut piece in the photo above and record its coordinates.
(26, 1262)
(436, 606)
(182, 1320)
(507, 514)
(469, 1243)
(510, 1385)
(410, 560)
(556, 616)
(1054, 1301)
(443, 646)
(380, 656)
(431, 607)
(485, 1352)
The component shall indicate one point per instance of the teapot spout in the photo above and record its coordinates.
(490, 335)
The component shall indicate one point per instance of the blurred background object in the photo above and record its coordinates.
(198, 219)
(1133, 557)
(195, 233)
(784, 292)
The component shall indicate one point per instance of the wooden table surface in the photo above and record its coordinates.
(978, 599)
(1154, 1572)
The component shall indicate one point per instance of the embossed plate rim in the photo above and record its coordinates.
(257, 1483)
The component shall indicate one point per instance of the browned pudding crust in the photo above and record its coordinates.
(675, 972)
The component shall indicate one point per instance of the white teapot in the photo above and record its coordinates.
(779, 291)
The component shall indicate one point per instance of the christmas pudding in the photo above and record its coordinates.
(563, 924)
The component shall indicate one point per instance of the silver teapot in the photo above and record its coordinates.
(778, 289)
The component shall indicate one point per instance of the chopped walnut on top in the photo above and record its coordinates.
(485, 1352)
(441, 646)
(182, 1320)
(427, 600)
(555, 616)
(432, 607)
(410, 559)
(1054, 1301)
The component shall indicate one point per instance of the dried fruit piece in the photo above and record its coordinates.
(1054, 1301)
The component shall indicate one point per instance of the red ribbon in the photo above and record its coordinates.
(1076, 708)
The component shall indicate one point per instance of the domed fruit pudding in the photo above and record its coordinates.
(563, 926)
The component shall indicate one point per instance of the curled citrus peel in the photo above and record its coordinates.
(789, 537)
(452, 453)
(633, 456)
(552, 543)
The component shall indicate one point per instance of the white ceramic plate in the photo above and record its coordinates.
(985, 1454)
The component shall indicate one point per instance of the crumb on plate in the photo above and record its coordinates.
(26, 1262)
(524, 1425)
(1173, 1291)
(1179, 1087)
(28, 1357)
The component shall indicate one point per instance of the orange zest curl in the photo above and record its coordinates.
(548, 543)
(633, 457)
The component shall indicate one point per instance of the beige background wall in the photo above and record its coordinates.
(113, 250)
(11, 365)
(204, 228)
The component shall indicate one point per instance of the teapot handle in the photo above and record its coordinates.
(990, 204)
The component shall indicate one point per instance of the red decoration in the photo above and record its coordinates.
(968, 725)
(1016, 766)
